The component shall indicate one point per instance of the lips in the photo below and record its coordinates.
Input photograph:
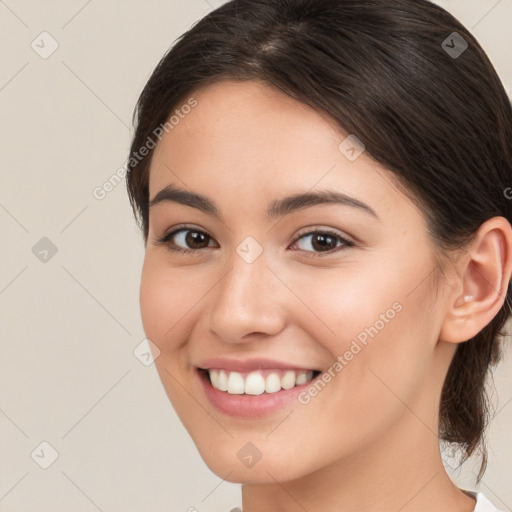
(248, 365)
(254, 376)
(247, 405)
(257, 382)
(253, 387)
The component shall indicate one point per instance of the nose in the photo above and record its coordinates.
(248, 302)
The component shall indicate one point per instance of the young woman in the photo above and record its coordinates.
(323, 191)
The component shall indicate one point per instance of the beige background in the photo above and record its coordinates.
(69, 325)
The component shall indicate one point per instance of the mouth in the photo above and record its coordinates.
(257, 382)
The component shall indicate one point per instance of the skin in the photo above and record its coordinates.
(367, 441)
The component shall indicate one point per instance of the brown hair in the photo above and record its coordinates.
(429, 109)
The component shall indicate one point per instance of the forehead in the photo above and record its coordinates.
(251, 140)
(244, 121)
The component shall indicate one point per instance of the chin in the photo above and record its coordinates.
(225, 463)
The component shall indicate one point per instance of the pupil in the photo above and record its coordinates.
(323, 241)
(194, 237)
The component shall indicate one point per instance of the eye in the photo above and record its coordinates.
(186, 240)
(322, 241)
(191, 240)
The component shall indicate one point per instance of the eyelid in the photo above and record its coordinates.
(164, 239)
(322, 229)
(307, 231)
(346, 243)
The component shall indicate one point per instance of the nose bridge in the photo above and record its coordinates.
(246, 301)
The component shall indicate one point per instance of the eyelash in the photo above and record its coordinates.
(346, 243)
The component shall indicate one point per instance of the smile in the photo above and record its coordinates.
(255, 393)
(258, 382)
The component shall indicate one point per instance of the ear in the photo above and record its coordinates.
(481, 286)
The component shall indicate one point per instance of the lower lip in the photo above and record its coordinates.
(249, 406)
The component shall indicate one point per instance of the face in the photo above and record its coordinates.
(275, 292)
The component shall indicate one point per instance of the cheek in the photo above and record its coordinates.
(378, 300)
(167, 298)
(377, 331)
(339, 305)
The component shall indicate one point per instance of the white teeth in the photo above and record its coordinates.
(255, 383)
(223, 381)
(214, 377)
(235, 384)
(302, 378)
(288, 381)
(272, 383)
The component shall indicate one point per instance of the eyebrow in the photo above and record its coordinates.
(277, 208)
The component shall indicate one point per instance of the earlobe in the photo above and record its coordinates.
(481, 288)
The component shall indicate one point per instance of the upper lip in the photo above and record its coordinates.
(244, 365)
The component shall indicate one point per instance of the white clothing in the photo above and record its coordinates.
(482, 503)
